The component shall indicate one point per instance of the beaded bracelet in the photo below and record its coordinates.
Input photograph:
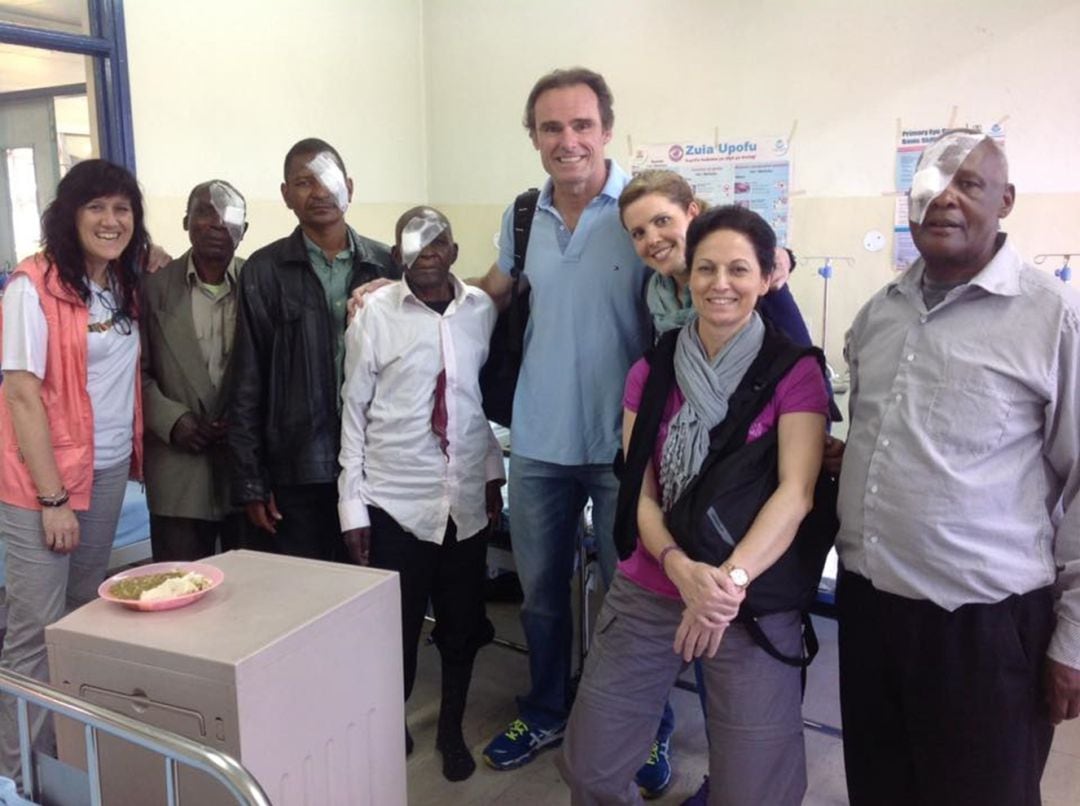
(53, 501)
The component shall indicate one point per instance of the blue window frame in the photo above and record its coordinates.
(107, 44)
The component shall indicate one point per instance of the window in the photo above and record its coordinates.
(64, 97)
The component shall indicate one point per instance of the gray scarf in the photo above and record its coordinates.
(706, 385)
(668, 310)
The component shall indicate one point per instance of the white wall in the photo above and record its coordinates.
(843, 72)
(223, 88)
(424, 100)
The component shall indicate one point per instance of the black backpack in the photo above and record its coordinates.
(734, 482)
(499, 375)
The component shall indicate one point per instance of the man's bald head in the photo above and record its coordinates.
(993, 157)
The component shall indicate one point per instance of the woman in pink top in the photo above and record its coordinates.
(664, 609)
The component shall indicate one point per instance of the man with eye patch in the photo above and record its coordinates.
(959, 598)
(187, 328)
(285, 406)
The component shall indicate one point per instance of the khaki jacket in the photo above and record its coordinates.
(175, 381)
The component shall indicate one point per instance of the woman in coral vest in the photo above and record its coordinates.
(71, 415)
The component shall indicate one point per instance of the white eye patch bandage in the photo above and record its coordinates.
(230, 208)
(421, 229)
(937, 166)
(331, 177)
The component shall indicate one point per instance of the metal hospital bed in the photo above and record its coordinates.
(51, 783)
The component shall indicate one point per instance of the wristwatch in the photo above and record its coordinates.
(736, 574)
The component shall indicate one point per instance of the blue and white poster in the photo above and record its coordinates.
(754, 173)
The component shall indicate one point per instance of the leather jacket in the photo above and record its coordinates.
(284, 423)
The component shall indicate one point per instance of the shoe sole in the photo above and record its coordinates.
(521, 762)
(653, 794)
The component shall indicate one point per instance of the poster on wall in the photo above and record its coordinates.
(908, 150)
(753, 173)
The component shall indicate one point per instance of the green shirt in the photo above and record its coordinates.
(334, 276)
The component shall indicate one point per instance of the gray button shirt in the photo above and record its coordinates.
(962, 466)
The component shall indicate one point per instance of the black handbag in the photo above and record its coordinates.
(736, 479)
(499, 375)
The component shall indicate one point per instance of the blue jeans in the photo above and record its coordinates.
(546, 501)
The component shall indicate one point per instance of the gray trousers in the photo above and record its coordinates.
(41, 587)
(756, 752)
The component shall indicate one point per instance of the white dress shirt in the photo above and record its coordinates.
(961, 477)
(395, 348)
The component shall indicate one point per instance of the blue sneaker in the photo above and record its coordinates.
(654, 777)
(520, 744)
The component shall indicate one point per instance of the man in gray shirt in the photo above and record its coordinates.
(960, 538)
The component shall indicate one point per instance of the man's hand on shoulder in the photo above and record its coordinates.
(356, 299)
(156, 258)
(1062, 685)
(497, 285)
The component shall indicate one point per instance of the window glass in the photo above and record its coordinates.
(22, 195)
(46, 126)
(67, 16)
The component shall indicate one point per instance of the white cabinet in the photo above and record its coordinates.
(292, 666)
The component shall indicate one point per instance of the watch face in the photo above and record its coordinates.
(739, 577)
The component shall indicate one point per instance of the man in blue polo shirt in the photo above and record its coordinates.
(587, 325)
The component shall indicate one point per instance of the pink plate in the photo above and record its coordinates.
(214, 574)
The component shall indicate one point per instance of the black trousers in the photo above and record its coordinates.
(309, 525)
(185, 539)
(940, 707)
(450, 575)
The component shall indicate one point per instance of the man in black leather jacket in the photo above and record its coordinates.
(284, 414)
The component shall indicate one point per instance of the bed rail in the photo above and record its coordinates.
(175, 750)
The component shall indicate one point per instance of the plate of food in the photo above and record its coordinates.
(161, 586)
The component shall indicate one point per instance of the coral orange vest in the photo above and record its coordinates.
(67, 403)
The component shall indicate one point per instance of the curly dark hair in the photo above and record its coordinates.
(86, 181)
(738, 219)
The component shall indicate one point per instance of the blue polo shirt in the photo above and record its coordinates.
(587, 325)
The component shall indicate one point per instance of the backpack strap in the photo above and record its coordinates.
(775, 359)
(807, 652)
(631, 474)
(524, 210)
(777, 356)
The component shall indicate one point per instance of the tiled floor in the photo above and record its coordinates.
(502, 673)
